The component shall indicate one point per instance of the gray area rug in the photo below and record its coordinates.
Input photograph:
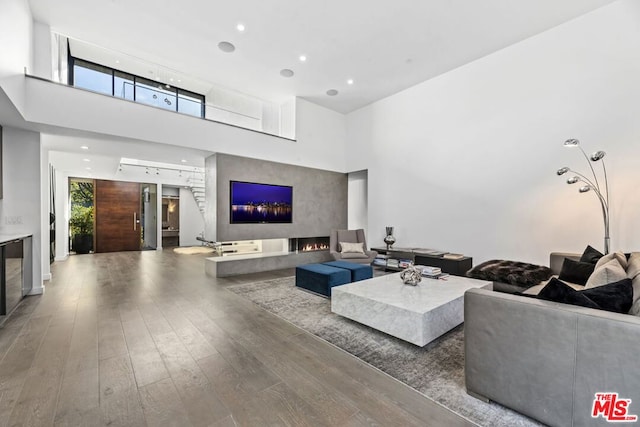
(436, 370)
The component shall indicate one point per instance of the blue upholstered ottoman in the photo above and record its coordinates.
(321, 278)
(358, 271)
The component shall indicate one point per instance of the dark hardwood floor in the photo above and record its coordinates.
(146, 338)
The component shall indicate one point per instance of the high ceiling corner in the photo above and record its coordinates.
(341, 55)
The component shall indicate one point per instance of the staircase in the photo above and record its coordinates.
(196, 185)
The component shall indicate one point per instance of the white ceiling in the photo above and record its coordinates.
(104, 154)
(385, 46)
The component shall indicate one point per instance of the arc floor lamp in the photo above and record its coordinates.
(591, 185)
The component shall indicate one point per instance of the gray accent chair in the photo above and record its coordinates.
(350, 236)
(547, 360)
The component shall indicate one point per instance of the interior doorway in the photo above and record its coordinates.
(149, 216)
(170, 216)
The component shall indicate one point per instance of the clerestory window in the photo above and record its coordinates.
(108, 81)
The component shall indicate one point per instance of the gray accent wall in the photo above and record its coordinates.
(319, 198)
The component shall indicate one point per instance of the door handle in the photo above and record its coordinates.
(135, 221)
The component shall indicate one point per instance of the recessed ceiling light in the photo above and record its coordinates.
(86, 160)
(226, 47)
(332, 92)
(183, 161)
(285, 72)
(88, 169)
(117, 61)
(302, 58)
(84, 147)
(171, 79)
(179, 81)
(240, 27)
(157, 78)
(350, 81)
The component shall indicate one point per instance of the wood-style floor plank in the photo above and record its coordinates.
(146, 339)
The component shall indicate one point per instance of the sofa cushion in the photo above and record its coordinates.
(576, 271)
(621, 257)
(591, 255)
(608, 272)
(348, 247)
(557, 291)
(616, 297)
(633, 265)
(635, 308)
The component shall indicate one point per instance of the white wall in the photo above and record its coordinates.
(320, 141)
(358, 203)
(466, 162)
(191, 220)
(62, 215)
(211, 194)
(16, 37)
(22, 193)
(321, 136)
(42, 61)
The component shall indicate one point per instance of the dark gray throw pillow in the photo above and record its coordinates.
(591, 255)
(616, 297)
(558, 291)
(575, 271)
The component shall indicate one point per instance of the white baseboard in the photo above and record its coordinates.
(36, 291)
(46, 277)
(64, 258)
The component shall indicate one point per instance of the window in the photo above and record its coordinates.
(123, 85)
(156, 94)
(92, 77)
(101, 79)
(190, 103)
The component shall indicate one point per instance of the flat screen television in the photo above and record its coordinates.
(254, 203)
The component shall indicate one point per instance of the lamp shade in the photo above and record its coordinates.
(584, 189)
(571, 142)
(573, 180)
(597, 156)
(562, 170)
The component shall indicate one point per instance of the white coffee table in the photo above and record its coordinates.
(417, 314)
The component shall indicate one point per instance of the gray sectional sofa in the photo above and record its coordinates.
(548, 360)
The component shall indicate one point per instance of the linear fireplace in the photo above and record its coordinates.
(308, 244)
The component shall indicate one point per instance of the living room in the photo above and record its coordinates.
(464, 161)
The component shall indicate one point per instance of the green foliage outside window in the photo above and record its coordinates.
(81, 221)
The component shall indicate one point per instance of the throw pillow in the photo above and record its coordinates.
(633, 267)
(609, 272)
(591, 255)
(615, 297)
(622, 259)
(635, 308)
(557, 291)
(352, 247)
(575, 271)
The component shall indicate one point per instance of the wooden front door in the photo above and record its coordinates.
(117, 212)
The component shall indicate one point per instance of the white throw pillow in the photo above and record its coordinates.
(619, 255)
(609, 272)
(633, 268)
(354, 248)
